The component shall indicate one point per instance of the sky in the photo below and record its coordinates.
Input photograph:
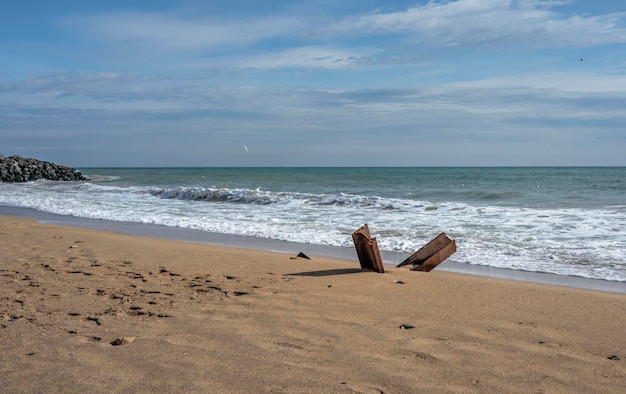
(314, 83)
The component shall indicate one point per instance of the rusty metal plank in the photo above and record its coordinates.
(367, 250)
(427, 250)
(436, 258)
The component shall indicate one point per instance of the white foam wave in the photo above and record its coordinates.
(103, 178)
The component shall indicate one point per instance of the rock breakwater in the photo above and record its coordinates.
(20, 169)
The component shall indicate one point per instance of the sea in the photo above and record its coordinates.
(560, 220)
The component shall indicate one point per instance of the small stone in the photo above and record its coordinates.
(122, 341)
(613, 357)
(406, 326)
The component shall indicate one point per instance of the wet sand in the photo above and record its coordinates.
(84, 310)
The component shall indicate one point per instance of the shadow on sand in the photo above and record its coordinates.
(338, 271)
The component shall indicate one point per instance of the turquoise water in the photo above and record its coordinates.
(569, 221)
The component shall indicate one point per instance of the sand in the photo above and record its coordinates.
(93, 311)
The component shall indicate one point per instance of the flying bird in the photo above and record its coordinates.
(245, 148)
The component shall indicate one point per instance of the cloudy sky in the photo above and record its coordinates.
(314, 83)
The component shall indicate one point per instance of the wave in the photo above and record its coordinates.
(491, 195)
(260, 197)
(235, 196)
(103, 178)
(479, 195)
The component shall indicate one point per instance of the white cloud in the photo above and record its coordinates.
(173, 33)
(526, 93)
(490, 22)
(572, 82)
(244, 42)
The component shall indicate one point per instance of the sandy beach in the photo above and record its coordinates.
(93, 311)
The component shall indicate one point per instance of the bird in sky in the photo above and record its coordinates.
(245, 148)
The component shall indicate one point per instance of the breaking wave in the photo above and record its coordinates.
(260, 197)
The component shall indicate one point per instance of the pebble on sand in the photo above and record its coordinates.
(122, 341)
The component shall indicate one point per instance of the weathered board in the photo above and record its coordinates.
(367, 250)
(436, 258)
(431, 254)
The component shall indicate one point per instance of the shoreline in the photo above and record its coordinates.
(271, 245)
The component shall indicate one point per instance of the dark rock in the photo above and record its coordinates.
(20, 169)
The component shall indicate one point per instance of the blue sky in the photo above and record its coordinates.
(314, 83)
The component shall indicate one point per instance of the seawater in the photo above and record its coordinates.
(567, 221)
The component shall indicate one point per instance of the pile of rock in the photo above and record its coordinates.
(19, 169)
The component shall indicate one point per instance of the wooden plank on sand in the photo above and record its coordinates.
(431, 254)
(367, 250)
(436, 258)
